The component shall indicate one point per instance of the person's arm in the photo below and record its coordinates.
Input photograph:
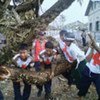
(14, 60)
(53, 64)
(53, 67)
(89, 54)
(31, 64)
(41, 56)
(33, 49)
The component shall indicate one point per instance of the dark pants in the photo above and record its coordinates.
(37, 66)
(47, 85)
(1, 96)
(68, 76)
(87, 78)
(17, 91)
(77, 73)
(74, 75)
(84, 41)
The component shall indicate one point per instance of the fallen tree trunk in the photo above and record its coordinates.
(33, 77)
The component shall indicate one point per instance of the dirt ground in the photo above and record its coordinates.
(60, 91)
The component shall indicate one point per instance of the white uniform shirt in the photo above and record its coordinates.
(20, 62)
(94, 66)
(46, 57)
(77, 52)
(62, 44)
(74, 51)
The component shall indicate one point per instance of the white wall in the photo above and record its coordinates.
(94, 16)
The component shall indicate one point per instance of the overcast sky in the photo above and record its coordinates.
(73, 13)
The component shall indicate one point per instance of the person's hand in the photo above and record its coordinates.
(41, 60)
(32, 69)
(52, 75)
(32, 65)
(91, 45)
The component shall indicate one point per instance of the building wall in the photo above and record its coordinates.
(94, 16)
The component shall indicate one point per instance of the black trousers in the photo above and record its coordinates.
(1, 96)
(17, 91)
(87, 78)
(84, 41)
(47, 85)
(69, 77)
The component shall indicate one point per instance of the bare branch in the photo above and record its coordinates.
(94, 43)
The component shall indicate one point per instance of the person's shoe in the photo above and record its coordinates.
(48, 96)
(39, 93)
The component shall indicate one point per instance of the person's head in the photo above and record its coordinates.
(69, 38)
(41, 35)
(62, 34)
(49, 47)
(23, 51)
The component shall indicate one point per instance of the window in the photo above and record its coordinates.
(97, 26)
(94, 5)
(90, 26)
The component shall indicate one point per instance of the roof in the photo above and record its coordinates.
(89, 6)
(76, 25)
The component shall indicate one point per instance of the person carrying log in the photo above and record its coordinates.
(62, 45)
(72, 52)
(91, 73)
(37, 46)
(48, 59)
(23, 61)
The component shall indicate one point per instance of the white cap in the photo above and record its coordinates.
(69, 36)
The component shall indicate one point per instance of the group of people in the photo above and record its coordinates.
(43, 52)
(88, 64)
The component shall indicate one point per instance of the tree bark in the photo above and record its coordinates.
(33, 77)
(25, 7)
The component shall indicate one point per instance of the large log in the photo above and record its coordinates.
(32, 77)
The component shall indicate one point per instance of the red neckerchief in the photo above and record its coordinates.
(96, 59)
(65, 50)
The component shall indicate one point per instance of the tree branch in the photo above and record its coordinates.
(43, 21)
(17, 17)
(25, 7)
(3, 7)
(94, 43)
